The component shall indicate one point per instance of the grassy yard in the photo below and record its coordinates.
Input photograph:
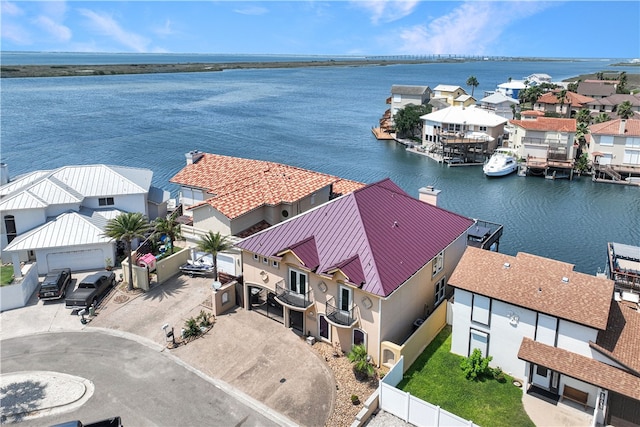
(436, 377)
(6, 274)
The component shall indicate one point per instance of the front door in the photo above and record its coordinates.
(324, 327)
(541, 377)
(296, 321)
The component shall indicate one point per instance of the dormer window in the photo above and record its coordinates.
(105, 201)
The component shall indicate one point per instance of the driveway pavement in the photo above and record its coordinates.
(246, 350)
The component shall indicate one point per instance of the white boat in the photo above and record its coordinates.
(502, 162)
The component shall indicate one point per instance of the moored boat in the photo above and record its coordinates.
(502, 162)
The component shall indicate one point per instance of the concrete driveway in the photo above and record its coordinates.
(244, 349)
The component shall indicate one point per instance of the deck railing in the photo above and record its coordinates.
(340, 317)
(292, 298)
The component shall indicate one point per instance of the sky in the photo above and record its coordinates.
(554, 29)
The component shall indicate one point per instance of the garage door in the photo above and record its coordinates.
(76, 260)
(226, 264)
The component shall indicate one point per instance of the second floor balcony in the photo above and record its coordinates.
(291, 298)
(340, 318)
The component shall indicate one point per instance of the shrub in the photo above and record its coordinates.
(361, 366)
(191, 328)
(476, 366)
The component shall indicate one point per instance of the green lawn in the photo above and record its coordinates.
(6, 274)
(436, 377)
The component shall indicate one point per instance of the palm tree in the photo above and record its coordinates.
(625, 110)
(126, 227)
(561, 95)
(584, 116)
(473, 82)
(601, 118)
(169, 227)
(213, 243)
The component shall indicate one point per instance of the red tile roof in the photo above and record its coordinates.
(378, 236)
(580, 367)
(621, 340)
(571, 98)
(241, 185)
(612, 127)
(536, 283)
(547, 124)
(532, 113)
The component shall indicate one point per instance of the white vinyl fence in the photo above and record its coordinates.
(411, 409)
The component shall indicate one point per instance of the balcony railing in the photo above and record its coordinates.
(340, 318)
(292, 299)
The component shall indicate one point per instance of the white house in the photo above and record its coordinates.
(616, 143)
(500, 104)
(57, 217)
(556, 329)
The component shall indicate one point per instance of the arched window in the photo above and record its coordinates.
(359, 337)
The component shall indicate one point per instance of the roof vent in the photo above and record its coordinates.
(395, 223)
(507, 265)
(565, 280)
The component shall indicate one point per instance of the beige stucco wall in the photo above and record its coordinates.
(205, 217)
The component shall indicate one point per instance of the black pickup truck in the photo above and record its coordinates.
(91, 290)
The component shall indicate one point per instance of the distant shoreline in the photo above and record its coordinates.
(14, 71)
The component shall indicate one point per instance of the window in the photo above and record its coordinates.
(285, 213)
(482, 128)
(479, 340)
(105, 201)
(440, 290)
(256, 257)
(541, 370)
(438, 263)
(275, 264)
(225, 297)
(345, 298)
(632, 143)
(10, 227)
(297, 282)
(631, 157)
(397, 97)
(606, 140)
(265, 260)
(481, 309)
(324, 328)
(359, 337)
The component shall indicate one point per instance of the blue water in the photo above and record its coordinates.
(315, 118)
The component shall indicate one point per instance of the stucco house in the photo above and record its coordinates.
(558, 330)
(403, 95)
(609, 104)
(359, 269)
(545, 138)
(567, 107)
(511, 88)
(57, 217)
(615, 148)
(597, 89)
(236, 196)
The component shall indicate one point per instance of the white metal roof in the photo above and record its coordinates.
(461, 115)
(446, 88)
(71, 184)
(67, 229)
(498, 98)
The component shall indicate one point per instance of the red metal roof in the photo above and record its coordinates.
(378, 235)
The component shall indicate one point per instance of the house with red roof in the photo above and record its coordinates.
(236, 196)
(543, 138)
(615, 150)
(567, 106)
(559, 331)
(359, 269)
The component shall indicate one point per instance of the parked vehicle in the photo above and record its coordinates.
(54, 285)
(196, 268)
(91, 290)
(109, 422)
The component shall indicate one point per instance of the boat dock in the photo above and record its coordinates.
(382, 135)
(547, 168)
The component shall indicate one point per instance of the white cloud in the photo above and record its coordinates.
(165, 30)
(104, 24)
(385, 11)
(58, 31)
(8, 8)
(15, 34)
(252, 10)
(472, 28)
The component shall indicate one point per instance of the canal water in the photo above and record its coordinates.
(314, 118)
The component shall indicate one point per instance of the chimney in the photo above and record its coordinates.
(429, 195)
(193, 156)
(623, 124)
(4, 173)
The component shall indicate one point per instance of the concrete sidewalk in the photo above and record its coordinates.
(246, 350)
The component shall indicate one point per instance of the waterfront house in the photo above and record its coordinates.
(609, 105)
(615, 150)
(359, 269)
(401, 96)
(464, 101)
(537, 79)
(500, 104)
(449, 93)
(470, 133)
(236, 196)
(567, 106)
(56, 217)
(546, 143)
(597, 89)
(623, 267)
(555, 329)
(511, 88)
